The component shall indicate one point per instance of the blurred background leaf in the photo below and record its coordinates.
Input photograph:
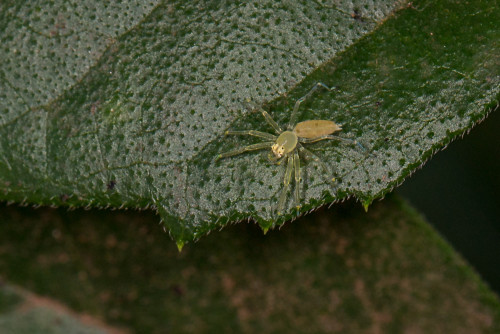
(339, 270)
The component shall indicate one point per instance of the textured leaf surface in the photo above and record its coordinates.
(126, 105)
(334, 271)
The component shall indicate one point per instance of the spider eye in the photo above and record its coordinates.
(278, 150)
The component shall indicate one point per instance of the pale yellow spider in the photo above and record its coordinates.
(288, 144)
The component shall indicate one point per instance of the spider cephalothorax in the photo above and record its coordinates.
(288, 144)
(285, 143)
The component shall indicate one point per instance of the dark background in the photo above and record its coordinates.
(458, 191)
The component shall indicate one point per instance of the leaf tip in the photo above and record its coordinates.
(180, 245)
(366, 204)
(265, 228)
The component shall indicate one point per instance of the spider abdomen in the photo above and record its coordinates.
(315, 128)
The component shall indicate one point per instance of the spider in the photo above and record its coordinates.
(288, 144)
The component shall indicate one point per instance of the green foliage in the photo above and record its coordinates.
(8, 299)
(124, 105)
(23, 313)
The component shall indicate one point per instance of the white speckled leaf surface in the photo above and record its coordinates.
(126, 104)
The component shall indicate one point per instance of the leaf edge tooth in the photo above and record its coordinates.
(180, 244)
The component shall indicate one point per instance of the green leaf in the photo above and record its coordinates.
(337, 270)
(126, 106)
(34, 314)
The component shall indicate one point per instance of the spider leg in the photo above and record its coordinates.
(240, 150)
(302, 149)
(296, 168)
(252, 133)
(266, 115)
(293, 117)
(313, 140)
(271, 121)
(275, 160)
(286, 183)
